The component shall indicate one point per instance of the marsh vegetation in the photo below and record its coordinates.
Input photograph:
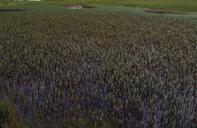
(99, 68)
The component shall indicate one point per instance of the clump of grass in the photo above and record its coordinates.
(8, 117)
(86, 123)
(4, 113)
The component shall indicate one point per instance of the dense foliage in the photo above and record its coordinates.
(98, 69)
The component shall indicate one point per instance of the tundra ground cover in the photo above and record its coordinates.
(63, 68)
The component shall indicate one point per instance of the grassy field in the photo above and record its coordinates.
(104, 67)
(182, 5)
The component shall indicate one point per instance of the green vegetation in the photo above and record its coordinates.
(182, 5)
(100, 67)
(4, 113)
(8, 117)
(82, 122)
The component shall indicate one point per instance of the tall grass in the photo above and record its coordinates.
(95, 69)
